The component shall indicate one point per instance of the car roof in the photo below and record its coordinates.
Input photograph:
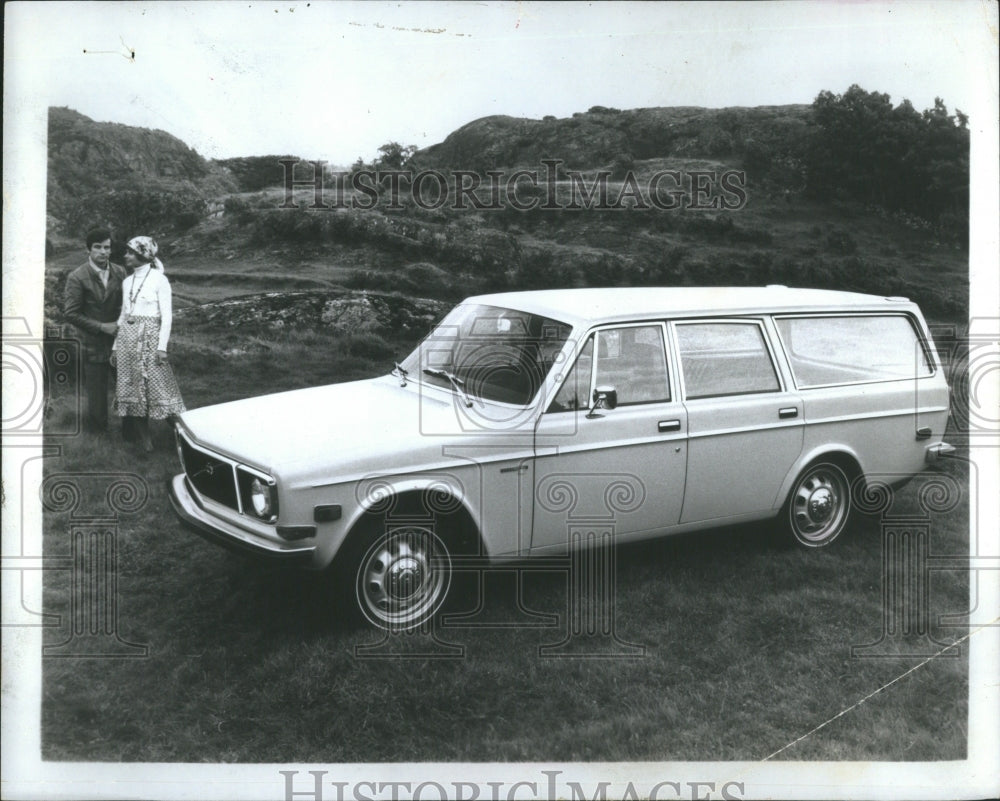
(599, 305)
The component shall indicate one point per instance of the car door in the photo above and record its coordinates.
(745, 429)
(620, 469)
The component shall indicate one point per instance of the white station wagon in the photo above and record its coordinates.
(524, 415)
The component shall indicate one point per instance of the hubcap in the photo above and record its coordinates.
(821, 504)
(404, 578)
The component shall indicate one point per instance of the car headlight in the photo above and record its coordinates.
(260, 498)
(258, 493)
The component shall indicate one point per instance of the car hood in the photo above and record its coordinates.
(362, 426)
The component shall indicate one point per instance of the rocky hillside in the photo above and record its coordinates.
(603, 135)
(88, 158)
(339, 311)
(804, 218)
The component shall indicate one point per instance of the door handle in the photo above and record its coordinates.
(668, 425)
(788, 412)
(924, 433)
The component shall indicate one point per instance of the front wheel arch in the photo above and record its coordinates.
(413, 543)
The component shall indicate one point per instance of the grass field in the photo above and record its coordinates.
(746, 643)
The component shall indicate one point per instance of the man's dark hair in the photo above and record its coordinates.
(97, 235)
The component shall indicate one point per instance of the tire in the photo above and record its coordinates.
(819, 505)
(401, 579)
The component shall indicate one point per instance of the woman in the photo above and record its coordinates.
(146, 384)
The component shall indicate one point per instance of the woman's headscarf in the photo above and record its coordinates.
(145, 248)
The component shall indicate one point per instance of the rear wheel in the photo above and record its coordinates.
(819, 505)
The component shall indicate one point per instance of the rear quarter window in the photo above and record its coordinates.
(852, 349)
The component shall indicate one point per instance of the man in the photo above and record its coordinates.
(92, 303)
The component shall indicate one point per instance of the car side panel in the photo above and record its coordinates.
(878, 422)
(739, 450)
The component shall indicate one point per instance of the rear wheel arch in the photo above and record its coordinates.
(821, 498)
(840, 455)
(851, 466)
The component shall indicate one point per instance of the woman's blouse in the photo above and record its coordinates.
(146, 293)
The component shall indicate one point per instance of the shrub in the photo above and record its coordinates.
(430, 278)
(128, 212)
(623, 163)
(239, 209)
(258, 172)
(754, 235)
(840, 241)
(756, 157)
(369, 346)
(718, 143)
(542, 270)
(668, 269)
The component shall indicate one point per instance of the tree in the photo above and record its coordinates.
(393, 156)
(862, 147)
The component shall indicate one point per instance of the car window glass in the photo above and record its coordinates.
(489, 352)
(575, 392)
(844, 350)
(724, 359)
(633, 361)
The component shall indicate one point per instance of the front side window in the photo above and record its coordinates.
(489, 352)
(574, 393)
(823, 351)
(634, 362)
(725, 358)
(631, 359)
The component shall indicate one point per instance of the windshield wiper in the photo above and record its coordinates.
(401, 373)
(456, 382)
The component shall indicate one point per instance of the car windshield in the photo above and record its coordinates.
(489, 352)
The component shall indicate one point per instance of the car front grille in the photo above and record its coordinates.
(211, 475)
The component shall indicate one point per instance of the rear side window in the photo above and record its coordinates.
(852, 349)
(725, 358)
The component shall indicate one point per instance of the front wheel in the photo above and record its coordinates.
(403, 578)
(819, 505)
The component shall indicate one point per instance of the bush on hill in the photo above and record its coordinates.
(861, 147)
(128, 212)
(253, 173)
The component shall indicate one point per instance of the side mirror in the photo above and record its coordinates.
(605, 397)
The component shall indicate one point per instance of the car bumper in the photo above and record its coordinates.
(935, 452)
(187, 507)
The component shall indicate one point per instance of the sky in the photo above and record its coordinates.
(335, 81)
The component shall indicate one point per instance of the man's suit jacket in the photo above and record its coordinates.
(87, 304)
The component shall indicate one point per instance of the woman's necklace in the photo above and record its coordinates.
(133, 297)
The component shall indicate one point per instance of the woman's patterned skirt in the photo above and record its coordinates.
(145, 388)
